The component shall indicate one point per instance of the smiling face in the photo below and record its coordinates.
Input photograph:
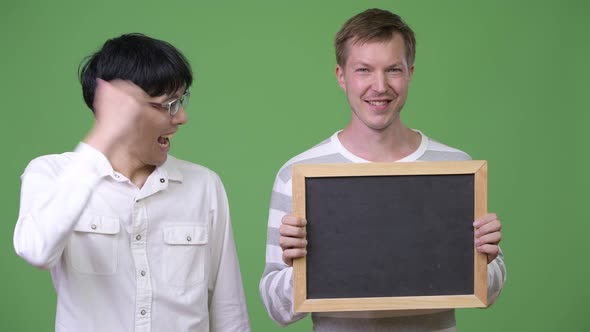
(155, 129)
(376, 77)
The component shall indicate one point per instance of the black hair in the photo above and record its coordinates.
(154, 65)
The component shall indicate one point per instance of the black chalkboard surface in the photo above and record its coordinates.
(390, 236)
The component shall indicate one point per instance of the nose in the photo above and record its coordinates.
(380, 83)
(180, 117)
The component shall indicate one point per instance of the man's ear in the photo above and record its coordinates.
(340, 77)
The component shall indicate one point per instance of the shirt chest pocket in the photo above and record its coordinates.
(185, 254)
(93, 246)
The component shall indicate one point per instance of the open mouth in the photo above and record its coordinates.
(164, 140)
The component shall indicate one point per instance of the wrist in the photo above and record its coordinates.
(100, 141)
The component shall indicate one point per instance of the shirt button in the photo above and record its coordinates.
(93, 226)
(189, 239)
(138, 237)
(143, 273)
(143, 312)
(162, 180)
(116, 175)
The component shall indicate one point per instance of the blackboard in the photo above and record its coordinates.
(390, 236)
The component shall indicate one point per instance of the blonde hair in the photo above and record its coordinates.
(373, 25)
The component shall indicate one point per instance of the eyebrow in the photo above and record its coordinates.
(364, 64)
(361, 63)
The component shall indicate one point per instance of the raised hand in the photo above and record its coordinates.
(117, 106)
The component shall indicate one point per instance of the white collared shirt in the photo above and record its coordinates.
(159, 258)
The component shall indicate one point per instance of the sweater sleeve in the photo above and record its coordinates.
(276, 284)
(496, 277)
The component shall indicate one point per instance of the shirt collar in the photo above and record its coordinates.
(170, 169)
(100, 161)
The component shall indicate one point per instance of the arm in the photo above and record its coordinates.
(54, 192)
(488, 236)
(227, 303)
(285, 241)
(496, 277)
(51, 203)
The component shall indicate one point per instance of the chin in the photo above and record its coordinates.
(159, 161)
(380, 124)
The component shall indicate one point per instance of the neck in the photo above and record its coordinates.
(135, 171)
(390, 144)
(117, 151)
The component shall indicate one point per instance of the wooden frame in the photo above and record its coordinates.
(479, 297)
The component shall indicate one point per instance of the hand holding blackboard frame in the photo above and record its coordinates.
(390, 236)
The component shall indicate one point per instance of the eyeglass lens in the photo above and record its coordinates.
(175, 107)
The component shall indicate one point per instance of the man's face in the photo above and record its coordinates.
(155, 129)
(376, 78)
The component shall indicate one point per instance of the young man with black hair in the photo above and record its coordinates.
(375, 53)
(136, 240)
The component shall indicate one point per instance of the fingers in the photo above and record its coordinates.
(292, 227)
(488, 235)
(491, 238)
(490, 250)
(127, 87)
(487, 224)
(489, 231)
(292, 231)
(490, 227)
(117, 106)
(290, 254)
(291, 242)
(118, 94)
(292, 239)
(485, 219)
(293, 221)
(114, 96)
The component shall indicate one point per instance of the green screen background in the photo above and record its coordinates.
(505, 81)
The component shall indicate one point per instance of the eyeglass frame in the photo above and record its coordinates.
(173, 106)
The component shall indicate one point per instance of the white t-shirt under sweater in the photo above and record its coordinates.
(276, 285)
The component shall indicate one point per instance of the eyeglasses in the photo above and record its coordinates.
(174, 106)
